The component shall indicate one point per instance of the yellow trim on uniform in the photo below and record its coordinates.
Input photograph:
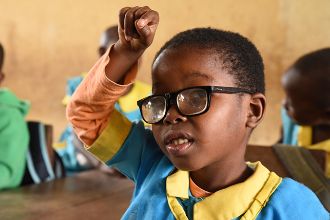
(139, 91)
(177, 184)
(112, 137)
(176, 209)
(84, 74)
(304, 136)
(59, 145)
(263, 196)
(305, 139)
(248, 197)
(66, 100)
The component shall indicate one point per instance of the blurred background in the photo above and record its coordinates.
(47, 42)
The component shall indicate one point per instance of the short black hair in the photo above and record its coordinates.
(2, 56)
(315, 66)
(111, 35)
(315, 62)
(238, 55)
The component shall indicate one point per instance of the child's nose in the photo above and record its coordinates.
(173, 116)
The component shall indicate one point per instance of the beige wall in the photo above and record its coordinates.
(49, 41)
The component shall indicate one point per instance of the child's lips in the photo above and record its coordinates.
(177, 143)
(178, 149)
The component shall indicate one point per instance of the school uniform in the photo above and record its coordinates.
(162, 191)
(296, 135)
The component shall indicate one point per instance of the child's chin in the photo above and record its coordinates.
(184, 165)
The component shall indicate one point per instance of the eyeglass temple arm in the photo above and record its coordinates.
(230, 90)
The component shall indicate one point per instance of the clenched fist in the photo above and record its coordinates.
(137, 27)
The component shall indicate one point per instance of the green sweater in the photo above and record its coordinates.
(14, 139)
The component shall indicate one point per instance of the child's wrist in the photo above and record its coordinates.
(132, 54)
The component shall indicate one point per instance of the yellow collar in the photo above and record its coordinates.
(305, 139)
(227, 203)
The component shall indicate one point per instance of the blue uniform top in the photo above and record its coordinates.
(289, 129)
(162, 192)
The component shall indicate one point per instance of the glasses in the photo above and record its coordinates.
(189, 102)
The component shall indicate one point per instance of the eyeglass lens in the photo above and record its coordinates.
(190, 102)
(153, 109)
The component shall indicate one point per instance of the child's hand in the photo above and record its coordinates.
(137, 27)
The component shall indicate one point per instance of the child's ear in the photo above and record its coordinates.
(256, 109)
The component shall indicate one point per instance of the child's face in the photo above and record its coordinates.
(218, 136)
(301, 98)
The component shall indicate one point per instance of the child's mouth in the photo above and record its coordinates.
(178, 146)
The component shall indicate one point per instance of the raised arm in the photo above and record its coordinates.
(94, 99)
(136, 32)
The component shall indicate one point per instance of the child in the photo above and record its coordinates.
(208, 96)
(69, 145)
(306, 118)
(14, 135)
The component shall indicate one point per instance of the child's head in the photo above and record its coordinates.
(2, 57)
(306, 84)
(108, 37)
(220, 122)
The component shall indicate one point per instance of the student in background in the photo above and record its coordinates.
(208, 96)
(14, 135)
(127, 103)
(306, 112)
(69, 146)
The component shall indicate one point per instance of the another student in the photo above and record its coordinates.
(69, 147)
(208, 96)
(306, 113)
(125, 104)
(14, 135)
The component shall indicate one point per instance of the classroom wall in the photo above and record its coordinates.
(47, 42)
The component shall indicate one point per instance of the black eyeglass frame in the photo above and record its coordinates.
(171, 98)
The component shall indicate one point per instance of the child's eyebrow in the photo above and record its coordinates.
(201, 75)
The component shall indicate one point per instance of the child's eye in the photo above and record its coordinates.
(196, 99)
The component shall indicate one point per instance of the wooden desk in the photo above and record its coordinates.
(88, 195)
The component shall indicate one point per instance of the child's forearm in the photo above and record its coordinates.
(122, 60)
(94, 100)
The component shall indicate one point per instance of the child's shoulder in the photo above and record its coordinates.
(293, 200)
(9, 101)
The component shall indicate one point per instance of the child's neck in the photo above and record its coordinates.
(217, 178)
(320, 133)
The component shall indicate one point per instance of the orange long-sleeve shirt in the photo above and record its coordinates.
(94, 100)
